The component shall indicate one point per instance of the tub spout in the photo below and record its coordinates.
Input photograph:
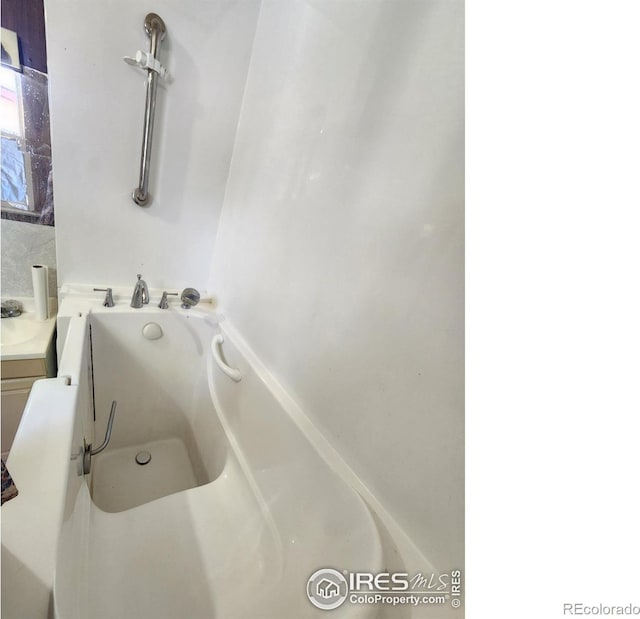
(140, 293)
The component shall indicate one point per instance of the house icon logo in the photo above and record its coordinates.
(327, 589)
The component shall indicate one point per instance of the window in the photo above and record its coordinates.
(15, 162)
(27, 189)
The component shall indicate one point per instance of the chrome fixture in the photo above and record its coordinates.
(164, 303)
(156, 30)
(88, 452)
(140, 293)
(10, 309)
(108, 299)
(189, 297)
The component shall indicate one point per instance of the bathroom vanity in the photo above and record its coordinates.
(27, 348)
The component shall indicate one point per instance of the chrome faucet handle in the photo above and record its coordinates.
(189, 298)
(164, 303)
(108, 299)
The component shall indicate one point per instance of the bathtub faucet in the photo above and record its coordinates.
(140, 293)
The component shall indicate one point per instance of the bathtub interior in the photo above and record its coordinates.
(163, 408)
(260, 512)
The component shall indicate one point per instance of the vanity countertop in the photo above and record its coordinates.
(24, 337)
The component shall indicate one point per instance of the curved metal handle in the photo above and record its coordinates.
(107, 438)
(88, 452)
(232, 373)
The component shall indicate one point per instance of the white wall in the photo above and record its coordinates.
(97, 108)
(340, 248)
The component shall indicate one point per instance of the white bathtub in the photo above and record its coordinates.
(235, 510)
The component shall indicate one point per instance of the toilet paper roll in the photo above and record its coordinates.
(40, 278)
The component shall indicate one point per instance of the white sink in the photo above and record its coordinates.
(21, 329)
(24, 337)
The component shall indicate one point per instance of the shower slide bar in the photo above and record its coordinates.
(155, 28)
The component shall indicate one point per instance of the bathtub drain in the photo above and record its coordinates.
(143, 457)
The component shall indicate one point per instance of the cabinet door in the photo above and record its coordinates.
(13, 403)
(19, 368)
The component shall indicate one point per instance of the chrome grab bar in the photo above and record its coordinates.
(155, 28)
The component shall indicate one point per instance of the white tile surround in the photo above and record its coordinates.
(334, 140)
